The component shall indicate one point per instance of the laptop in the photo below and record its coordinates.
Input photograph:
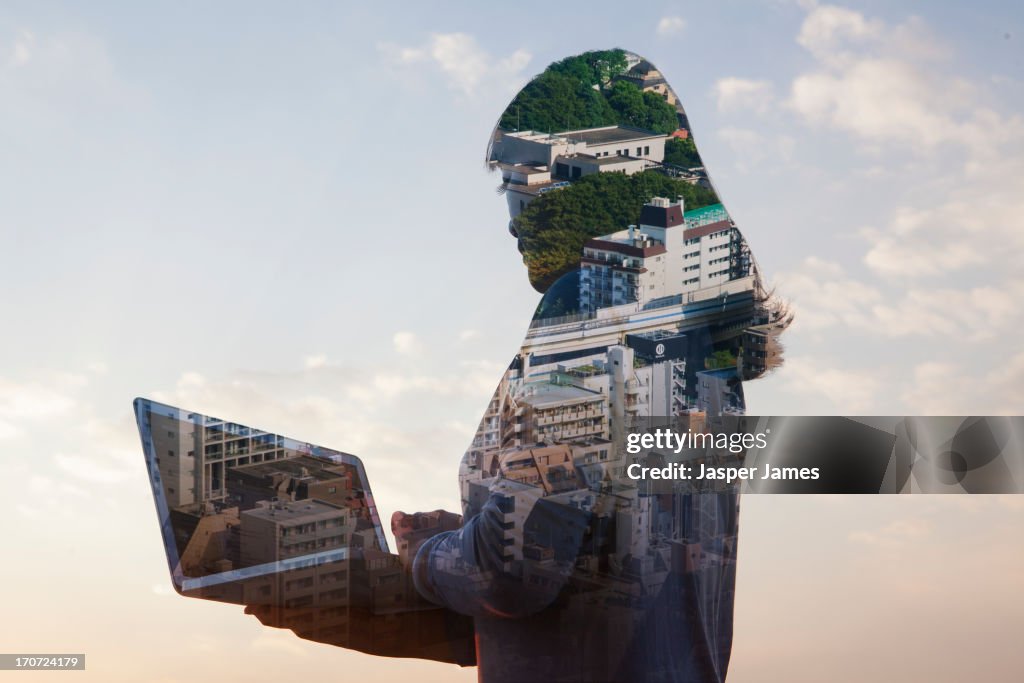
(239, 506)
(290, 530)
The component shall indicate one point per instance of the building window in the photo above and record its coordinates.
(639, 151)
(647, 150)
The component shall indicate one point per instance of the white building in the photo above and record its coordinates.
(670, 254)
(624, 267)
(532, 147)
(533, 163)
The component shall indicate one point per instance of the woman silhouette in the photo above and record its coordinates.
(653, 309)
(561, 567)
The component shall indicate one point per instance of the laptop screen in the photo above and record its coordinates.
(237, 503)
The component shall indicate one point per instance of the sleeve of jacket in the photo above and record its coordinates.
(511, 559)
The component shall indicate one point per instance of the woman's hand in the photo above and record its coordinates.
(412, 530)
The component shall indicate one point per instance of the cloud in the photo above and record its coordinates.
(753, 149)
(406, 343)
(316, 361)
(743, 94)
(823, 296)
(95, 466)
(895, 534)
(670, 26)
(50, 497)
(65, 73)
(819, 266)
(8, 430)
(929, 392)
(828, 31)
(49, 396)
(941, 264)
(981, 227)
(971, 315)
(881, 100)
(851, 392)
(1004, 386)
(464, 63)
(97, 367)
(21, 51)
(877, 82)
(163, 590)
(934, 283)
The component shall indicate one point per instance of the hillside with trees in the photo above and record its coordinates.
(553, 228)
(581, 92)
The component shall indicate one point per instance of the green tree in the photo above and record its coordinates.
(628, 102)
(682, 152)
(660, 116)
(723, 358)
(607, 64)
(580, 92)
(647, 110)
(554, 102)
(596, 67)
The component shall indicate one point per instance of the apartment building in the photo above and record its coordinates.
(292, 479)
(670, 254)
(555, 413)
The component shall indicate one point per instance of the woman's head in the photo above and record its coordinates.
(607, 127)
(595, 144)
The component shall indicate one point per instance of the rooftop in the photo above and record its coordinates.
(536, 189)
(610, 134)
(302, 467)
(525, 169)
(709, 214)
(535, 136)
(547, 395)
(604, 160)
(721, 373)
(632, 238)
(662, 212)
(295, 511)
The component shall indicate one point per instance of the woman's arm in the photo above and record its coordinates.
(511, 559)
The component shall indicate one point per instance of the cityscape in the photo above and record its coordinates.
(660, 318)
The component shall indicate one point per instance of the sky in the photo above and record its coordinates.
(281, 215)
